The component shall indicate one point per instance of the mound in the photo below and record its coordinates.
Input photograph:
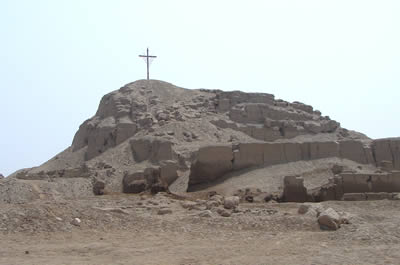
(152, 135)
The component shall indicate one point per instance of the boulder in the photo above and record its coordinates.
(190, 205)
(205, 213)
(217, 198)
(147, 179)
(312, 209)
(76, 222)
(224, 212)
(231, 202)
(329, 219)
(212, 204)
(1, 176)
(164, 211)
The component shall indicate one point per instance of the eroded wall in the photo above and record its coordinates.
(212, 162)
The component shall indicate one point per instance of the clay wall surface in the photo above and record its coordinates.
(214, 161)
(247, 155)
(376, 182)
(294, 190)
(387, 149)
(154, 149)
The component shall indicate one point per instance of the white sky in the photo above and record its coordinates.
(58, 58)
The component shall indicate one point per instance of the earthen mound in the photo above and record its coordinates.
(154, 136)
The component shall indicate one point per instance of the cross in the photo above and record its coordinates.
(147, 56)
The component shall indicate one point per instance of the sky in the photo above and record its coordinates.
(58, 58)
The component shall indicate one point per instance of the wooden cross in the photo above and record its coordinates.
(147, 56)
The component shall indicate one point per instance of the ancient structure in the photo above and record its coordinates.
(153, 136)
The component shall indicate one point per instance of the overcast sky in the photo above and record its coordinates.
(58, 58)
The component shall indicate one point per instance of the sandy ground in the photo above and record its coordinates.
(122, 229)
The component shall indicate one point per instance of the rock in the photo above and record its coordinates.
(188, 205)
(345, 218)
(312, 209)
(205, 213)
(1, 176)
(103, 165)
(162, 116)
(218, 198)
(153, 202)
(98, 187)
(268, 197)
(149, 179)
(252, 195)
(329, 219)
(76, 222)
(163, 211)
(224, 212)
(236, 210)
(249, 198)
(212, 204)
(231, 202)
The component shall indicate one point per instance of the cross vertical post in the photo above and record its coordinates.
(147, 56)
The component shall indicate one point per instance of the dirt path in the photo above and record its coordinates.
(187, 248)
(257, 234)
